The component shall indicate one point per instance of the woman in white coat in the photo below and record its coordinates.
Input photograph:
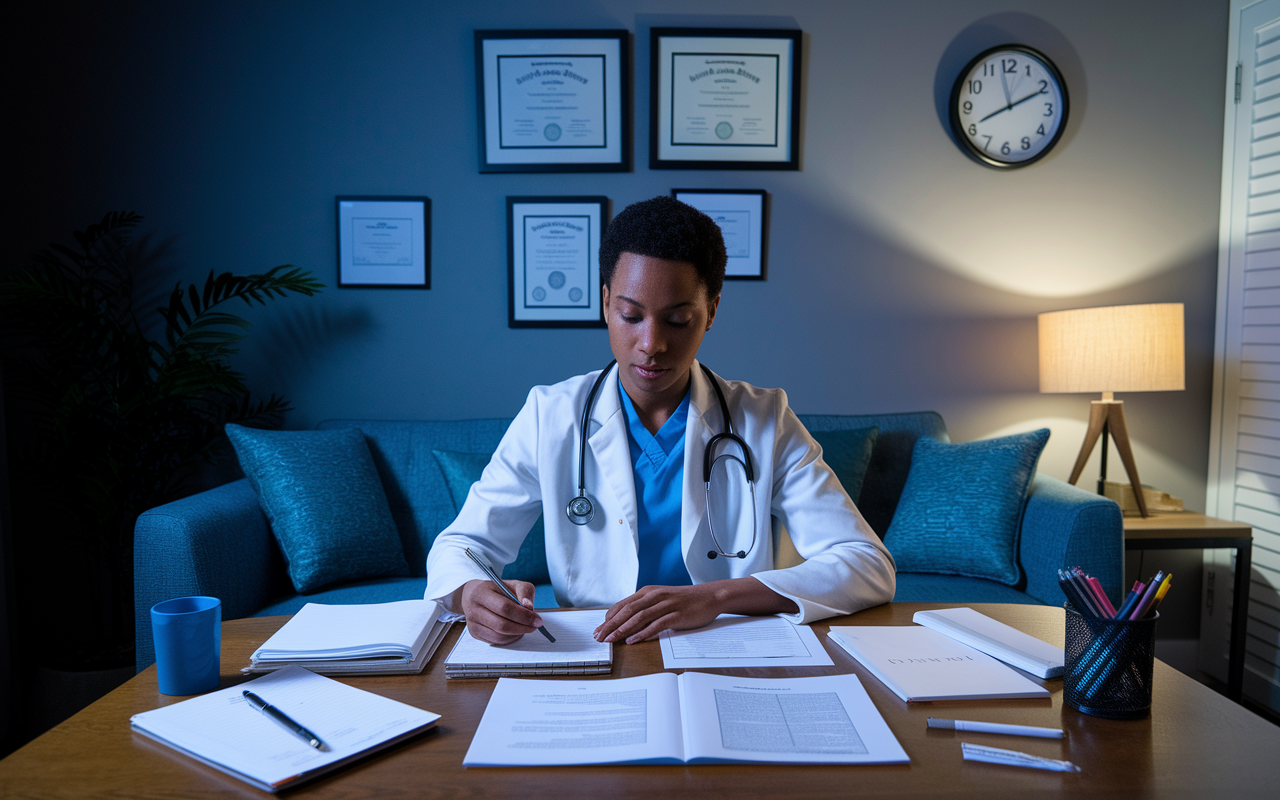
(653, 551)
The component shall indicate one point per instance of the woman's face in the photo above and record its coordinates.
(657, 312)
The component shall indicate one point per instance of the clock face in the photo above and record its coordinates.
(1009, 106)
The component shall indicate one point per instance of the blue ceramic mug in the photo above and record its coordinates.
(188, 636)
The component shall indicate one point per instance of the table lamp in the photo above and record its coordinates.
(1108, 350)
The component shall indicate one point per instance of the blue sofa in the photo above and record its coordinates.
(218, 542)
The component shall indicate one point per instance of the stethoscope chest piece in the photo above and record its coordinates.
(580, 510)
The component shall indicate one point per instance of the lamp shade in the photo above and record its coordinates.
(1113, 349)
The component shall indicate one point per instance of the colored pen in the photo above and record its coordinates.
(1104, 602)
(493, 576)
(1147, 597)
(994, 727)
(285, 721)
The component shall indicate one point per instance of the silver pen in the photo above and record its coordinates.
(994, 727)
(285, 721)
(493, 576)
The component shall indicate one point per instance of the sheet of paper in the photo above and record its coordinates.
(559, 722)
(574, 643)
(827, 719)
(224, 729)
(733, 641)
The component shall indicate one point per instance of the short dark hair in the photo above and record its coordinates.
(664, 227)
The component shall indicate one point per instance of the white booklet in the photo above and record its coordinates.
(996, 639)
(736, 641)
(687, 718)
(389, 638)
(574, 652)
(921, 665)
(223, 730)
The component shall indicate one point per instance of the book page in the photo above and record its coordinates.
(574, 644)
(735, 641)
(351, 631)
(225, 729)
(558, 722)
(820, 720)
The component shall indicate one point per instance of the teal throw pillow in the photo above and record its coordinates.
(321, 492)
(848, 453)
(962, 507)
(461, 470)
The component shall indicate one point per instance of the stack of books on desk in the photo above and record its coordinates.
(380, 638)
(574, 652)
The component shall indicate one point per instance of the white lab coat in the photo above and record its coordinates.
(535, 469)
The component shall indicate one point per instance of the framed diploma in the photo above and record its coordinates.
(740, 213)
(553, 261)
(554, 101)
(384, 242)
(724, 98)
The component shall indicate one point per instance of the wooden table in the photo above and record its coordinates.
(1196, 742)
(1187, 530)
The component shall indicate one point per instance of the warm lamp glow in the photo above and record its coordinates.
(1113, 349)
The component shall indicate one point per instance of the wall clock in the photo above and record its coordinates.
(1009, 106)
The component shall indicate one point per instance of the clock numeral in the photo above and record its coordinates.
(1026, 143)
(975, 87)
(968, 107)
(1040, 130)
(1004, 149)
(1028, 70)
(1010, 65)
(1044, 87)
(1048, 109)
(987, 146)
(973, 130)
(988, 69)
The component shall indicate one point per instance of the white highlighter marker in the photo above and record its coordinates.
(994, 727)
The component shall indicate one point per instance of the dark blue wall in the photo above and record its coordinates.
(902, 276)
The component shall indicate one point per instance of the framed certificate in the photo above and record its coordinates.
(553, 261)
(740, 213)
(554, 101)
(724, 98)
(384, 242)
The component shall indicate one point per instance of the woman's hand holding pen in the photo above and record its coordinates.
(492, 617)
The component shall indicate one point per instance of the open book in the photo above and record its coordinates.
(574, 652)
(692, 717)
(922, 665)
(996, 639)
(223, 730)
(388, 638)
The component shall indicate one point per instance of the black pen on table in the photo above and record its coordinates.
(493, 576)
(287, 722)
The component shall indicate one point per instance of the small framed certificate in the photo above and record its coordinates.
(742, 217)
(384, 242)
(553, 261)
(724, 98)
(554, 101)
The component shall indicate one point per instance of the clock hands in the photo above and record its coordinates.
(1012, 105)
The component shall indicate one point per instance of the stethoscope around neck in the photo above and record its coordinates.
(581, 510)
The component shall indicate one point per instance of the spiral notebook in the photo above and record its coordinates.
(574, 652)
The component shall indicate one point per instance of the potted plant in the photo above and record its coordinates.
(116, 406)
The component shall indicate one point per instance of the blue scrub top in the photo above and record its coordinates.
(658, 465)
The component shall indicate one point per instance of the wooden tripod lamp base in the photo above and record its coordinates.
(1107, 415)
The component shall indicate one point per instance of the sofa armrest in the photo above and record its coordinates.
(216, 543)
(1064, 526)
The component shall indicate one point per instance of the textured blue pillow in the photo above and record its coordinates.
(327, 508)
(848, 453)
(962, 507)
(461, 470)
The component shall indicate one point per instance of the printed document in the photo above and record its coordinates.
(694, 717)
(734, 641)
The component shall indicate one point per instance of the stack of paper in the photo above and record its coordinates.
(996, 639)
(574, 652)
(222, 729)
(388, 638)
(922, 665)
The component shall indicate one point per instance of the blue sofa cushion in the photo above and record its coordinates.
(461, 470)
(848, 453)
(920, 587)
(321, 493)
(962, 507)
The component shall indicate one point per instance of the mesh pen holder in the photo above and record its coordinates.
(1109, 665)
